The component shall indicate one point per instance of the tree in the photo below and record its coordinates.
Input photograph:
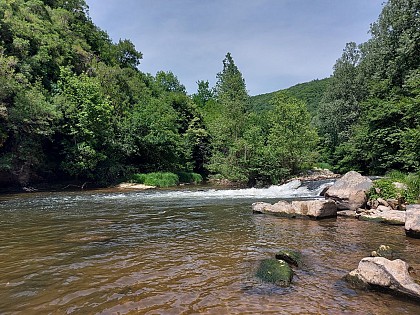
(204, 94)
(291, 141)
(86, 124)
(229, 116)
(392, 51)
(340, 106)
(388, 125)
(127, 55)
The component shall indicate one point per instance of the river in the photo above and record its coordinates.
(182, 252)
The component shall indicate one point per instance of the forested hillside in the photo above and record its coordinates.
(369, 117)
(73, 105)
(309, 92)
(76, 106)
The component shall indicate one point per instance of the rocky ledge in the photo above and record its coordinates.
(134, 186)
(314, 209)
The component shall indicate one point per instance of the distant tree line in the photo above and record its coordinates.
(74, 105)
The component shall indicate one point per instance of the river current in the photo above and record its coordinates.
(182, 252)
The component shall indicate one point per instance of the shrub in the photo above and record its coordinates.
(159, 179)
(386, 189)
(193, 178)
(413, 183)
(139, 178)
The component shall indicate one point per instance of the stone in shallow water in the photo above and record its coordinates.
(393, 217)
(383, 251)
(385, 274)
(315, 209)
(275, 271)
(292, 257)
(412, 223)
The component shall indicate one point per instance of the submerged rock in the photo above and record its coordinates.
(383, 251)
(275, 271)
(316, 209)
(290, 256)
(349, 191)
(347, 213)
(412, 222)
(392, 217)
(385, 274)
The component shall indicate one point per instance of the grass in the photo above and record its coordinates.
(166, 179)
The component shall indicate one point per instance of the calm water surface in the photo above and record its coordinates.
(180, 253)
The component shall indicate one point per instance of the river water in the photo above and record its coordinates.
(182, 252)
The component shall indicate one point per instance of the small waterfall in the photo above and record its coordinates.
(293, 189)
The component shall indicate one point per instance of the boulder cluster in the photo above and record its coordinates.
(348, 197)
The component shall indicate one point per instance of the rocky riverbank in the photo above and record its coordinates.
(348, 197)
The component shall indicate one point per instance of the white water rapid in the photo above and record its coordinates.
(293, 189)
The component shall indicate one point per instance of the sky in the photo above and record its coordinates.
(275, 43)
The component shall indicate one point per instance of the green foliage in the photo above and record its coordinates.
(73, 103)
(227, 117)
(369, 117)
(189, 178)
(323, 166)
(158, 179)
(167, 179)
(385, 188)
(310, 92)
(290, 141)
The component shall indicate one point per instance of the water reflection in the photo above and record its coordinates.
(120, 253)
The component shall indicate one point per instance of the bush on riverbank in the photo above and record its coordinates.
(167, 179)
(190, 178)
(386, 188)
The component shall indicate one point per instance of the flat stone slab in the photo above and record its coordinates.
(134, 186)
(392, 217)
(412, 222)
(347, 213)
(315, 209)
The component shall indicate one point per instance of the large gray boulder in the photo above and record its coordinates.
(412, 221)
(349, 192)
(315, 209)
(380, 272)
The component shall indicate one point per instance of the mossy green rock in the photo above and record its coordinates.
(290, 256)
(275, 271)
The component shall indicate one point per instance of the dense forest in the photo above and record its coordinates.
(75, 106)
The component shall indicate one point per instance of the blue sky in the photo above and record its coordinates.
(274, 43)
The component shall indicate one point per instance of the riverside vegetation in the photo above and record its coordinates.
(76, 106)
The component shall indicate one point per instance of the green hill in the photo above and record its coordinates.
(310, 92)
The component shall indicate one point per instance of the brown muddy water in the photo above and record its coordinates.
(168, 252)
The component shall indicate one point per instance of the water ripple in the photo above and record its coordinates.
(152, 253)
